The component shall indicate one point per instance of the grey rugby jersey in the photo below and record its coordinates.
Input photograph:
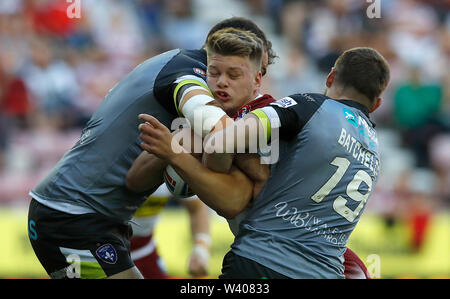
(91, 176)
(328, 165)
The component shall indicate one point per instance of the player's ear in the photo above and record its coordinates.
(258, 79)
(376, 105)
(330, 78)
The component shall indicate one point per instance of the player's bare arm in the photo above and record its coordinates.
(146, 173)
(251, 166)
(251, 130)
(211, 187)
(200, 102)
(200, 224)
(238, 137)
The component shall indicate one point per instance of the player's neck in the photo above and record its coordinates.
(255, 96)
(346, 94)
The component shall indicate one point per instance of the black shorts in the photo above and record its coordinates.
(235, 266)
(78, 246)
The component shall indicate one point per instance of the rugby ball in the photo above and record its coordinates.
(176, 185)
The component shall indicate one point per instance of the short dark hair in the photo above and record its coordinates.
(365, 70)
(246, 25)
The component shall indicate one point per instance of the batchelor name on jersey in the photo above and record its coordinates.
(359, 152)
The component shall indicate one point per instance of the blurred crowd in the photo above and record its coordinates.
(58, 63)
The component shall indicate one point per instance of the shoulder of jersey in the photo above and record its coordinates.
(301, 98)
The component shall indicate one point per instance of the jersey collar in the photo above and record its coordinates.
(259, 102)
(358, 106)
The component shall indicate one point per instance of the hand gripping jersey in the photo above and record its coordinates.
(328, 165)
(91, 176)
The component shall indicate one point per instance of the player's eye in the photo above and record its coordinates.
(234, 76)
(213, 73)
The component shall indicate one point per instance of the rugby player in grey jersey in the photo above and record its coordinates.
(300, 222)
(146, 171)
(79, 215)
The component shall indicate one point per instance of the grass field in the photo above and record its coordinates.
(389, 246)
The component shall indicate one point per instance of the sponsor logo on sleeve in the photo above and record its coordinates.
(285, 102)
(200, 72)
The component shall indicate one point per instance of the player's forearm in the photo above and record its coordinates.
(227, 194)
(199, 217)
(245, 135)
(201, 240)
(218, 161)
(251, 166)
(145, 173)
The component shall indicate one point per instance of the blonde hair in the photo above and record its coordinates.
(235, 42)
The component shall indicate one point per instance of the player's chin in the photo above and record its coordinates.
(226, 106)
